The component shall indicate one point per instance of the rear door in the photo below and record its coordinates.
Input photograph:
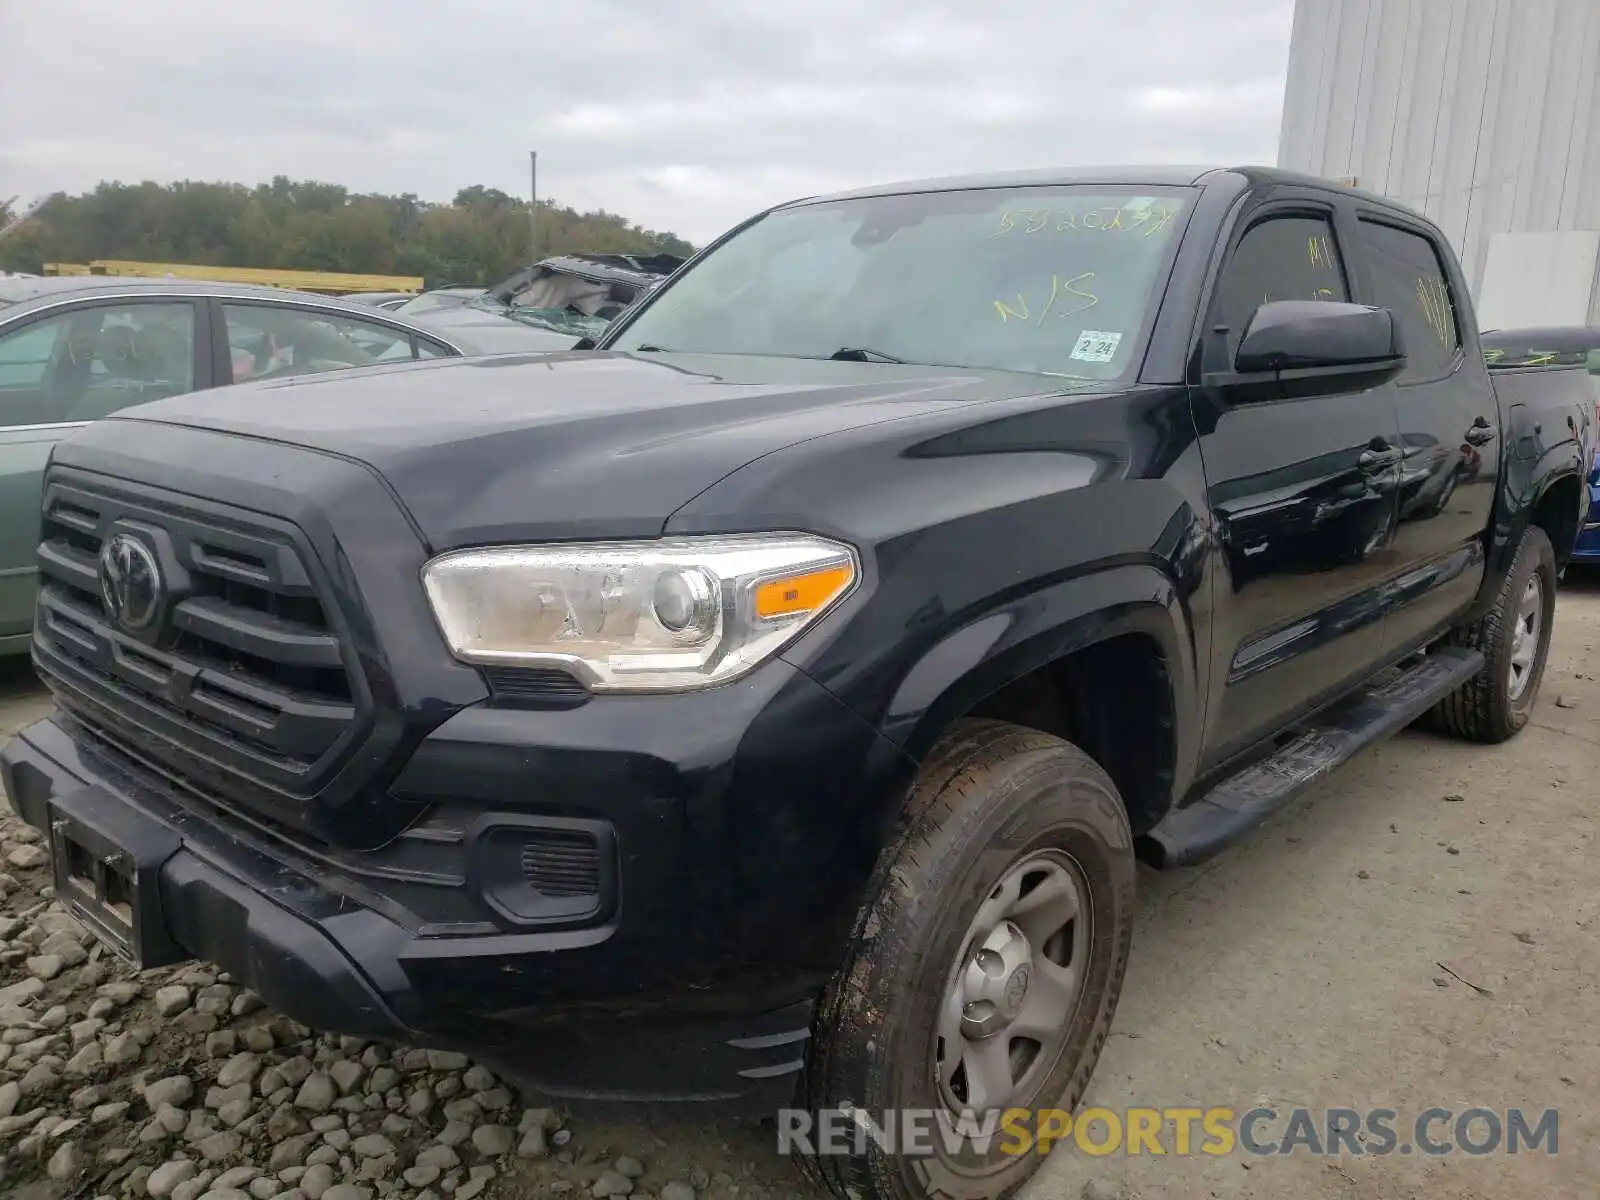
(1447, 425)
(1302, 493)
(61, 368)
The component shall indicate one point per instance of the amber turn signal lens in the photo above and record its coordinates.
(794, 595)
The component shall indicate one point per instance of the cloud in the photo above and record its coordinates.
(683, 116)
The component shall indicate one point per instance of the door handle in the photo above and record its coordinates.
(1479, 434)
(1373, 460)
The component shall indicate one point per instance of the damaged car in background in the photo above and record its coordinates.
(569, 296)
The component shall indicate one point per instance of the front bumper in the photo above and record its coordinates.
(742, 835)
(281, 933)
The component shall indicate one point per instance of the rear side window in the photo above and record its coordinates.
(1280, 258)
(266, 341)
(1409, 279)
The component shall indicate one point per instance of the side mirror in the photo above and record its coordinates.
(1300, 348)
(1593, 362)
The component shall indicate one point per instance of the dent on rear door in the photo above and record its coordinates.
(23, 454)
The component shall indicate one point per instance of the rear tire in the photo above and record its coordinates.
(1006, 830)
(1514, 638)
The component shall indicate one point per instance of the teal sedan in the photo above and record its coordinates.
(78, 348)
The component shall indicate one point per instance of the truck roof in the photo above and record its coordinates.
(1124, 176)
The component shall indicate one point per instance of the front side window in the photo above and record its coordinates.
(1061, 281)
(1280, 258)
(271, 341)
(1408, 279)
(93, 360)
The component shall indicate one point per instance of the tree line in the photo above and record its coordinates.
(479, 237)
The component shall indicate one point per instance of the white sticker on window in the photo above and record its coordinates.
(1096, 346)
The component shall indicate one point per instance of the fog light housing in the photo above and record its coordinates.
(543, 872)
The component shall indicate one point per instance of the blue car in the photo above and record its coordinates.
(1587, 550)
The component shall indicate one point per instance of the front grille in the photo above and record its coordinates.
(242, 668)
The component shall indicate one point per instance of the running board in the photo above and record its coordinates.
(1238, 804)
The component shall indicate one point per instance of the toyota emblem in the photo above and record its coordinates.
(130, 582)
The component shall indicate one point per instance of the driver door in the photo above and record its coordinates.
(1302, 493)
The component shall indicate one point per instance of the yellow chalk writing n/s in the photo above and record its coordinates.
(1006, 313)
(1055, 290)
(1077, 286)
(1081, 293)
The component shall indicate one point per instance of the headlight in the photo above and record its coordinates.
(668, 615)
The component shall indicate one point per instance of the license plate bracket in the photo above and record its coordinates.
(107, 859)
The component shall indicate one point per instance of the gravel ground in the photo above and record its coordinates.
(180, 1085)
(1301, 967)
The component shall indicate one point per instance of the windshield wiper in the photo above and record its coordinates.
(863, 354)
(650, 348)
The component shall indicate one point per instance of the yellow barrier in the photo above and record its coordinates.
(332, 282)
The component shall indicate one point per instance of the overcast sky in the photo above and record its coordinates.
(680, 114)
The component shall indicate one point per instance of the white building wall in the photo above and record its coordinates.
(1484, 114)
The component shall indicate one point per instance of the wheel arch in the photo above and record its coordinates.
(1105, 660)
(1554, 500)
(1559, 512)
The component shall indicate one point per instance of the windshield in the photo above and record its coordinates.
(1048, 280)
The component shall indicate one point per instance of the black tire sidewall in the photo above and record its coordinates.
(1535, 557)
(1047, 797)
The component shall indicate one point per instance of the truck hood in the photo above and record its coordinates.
(572, 445)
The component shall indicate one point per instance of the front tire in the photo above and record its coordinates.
(988, 964)
(1514, 638)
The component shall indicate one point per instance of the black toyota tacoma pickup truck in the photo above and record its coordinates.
(766, 706)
